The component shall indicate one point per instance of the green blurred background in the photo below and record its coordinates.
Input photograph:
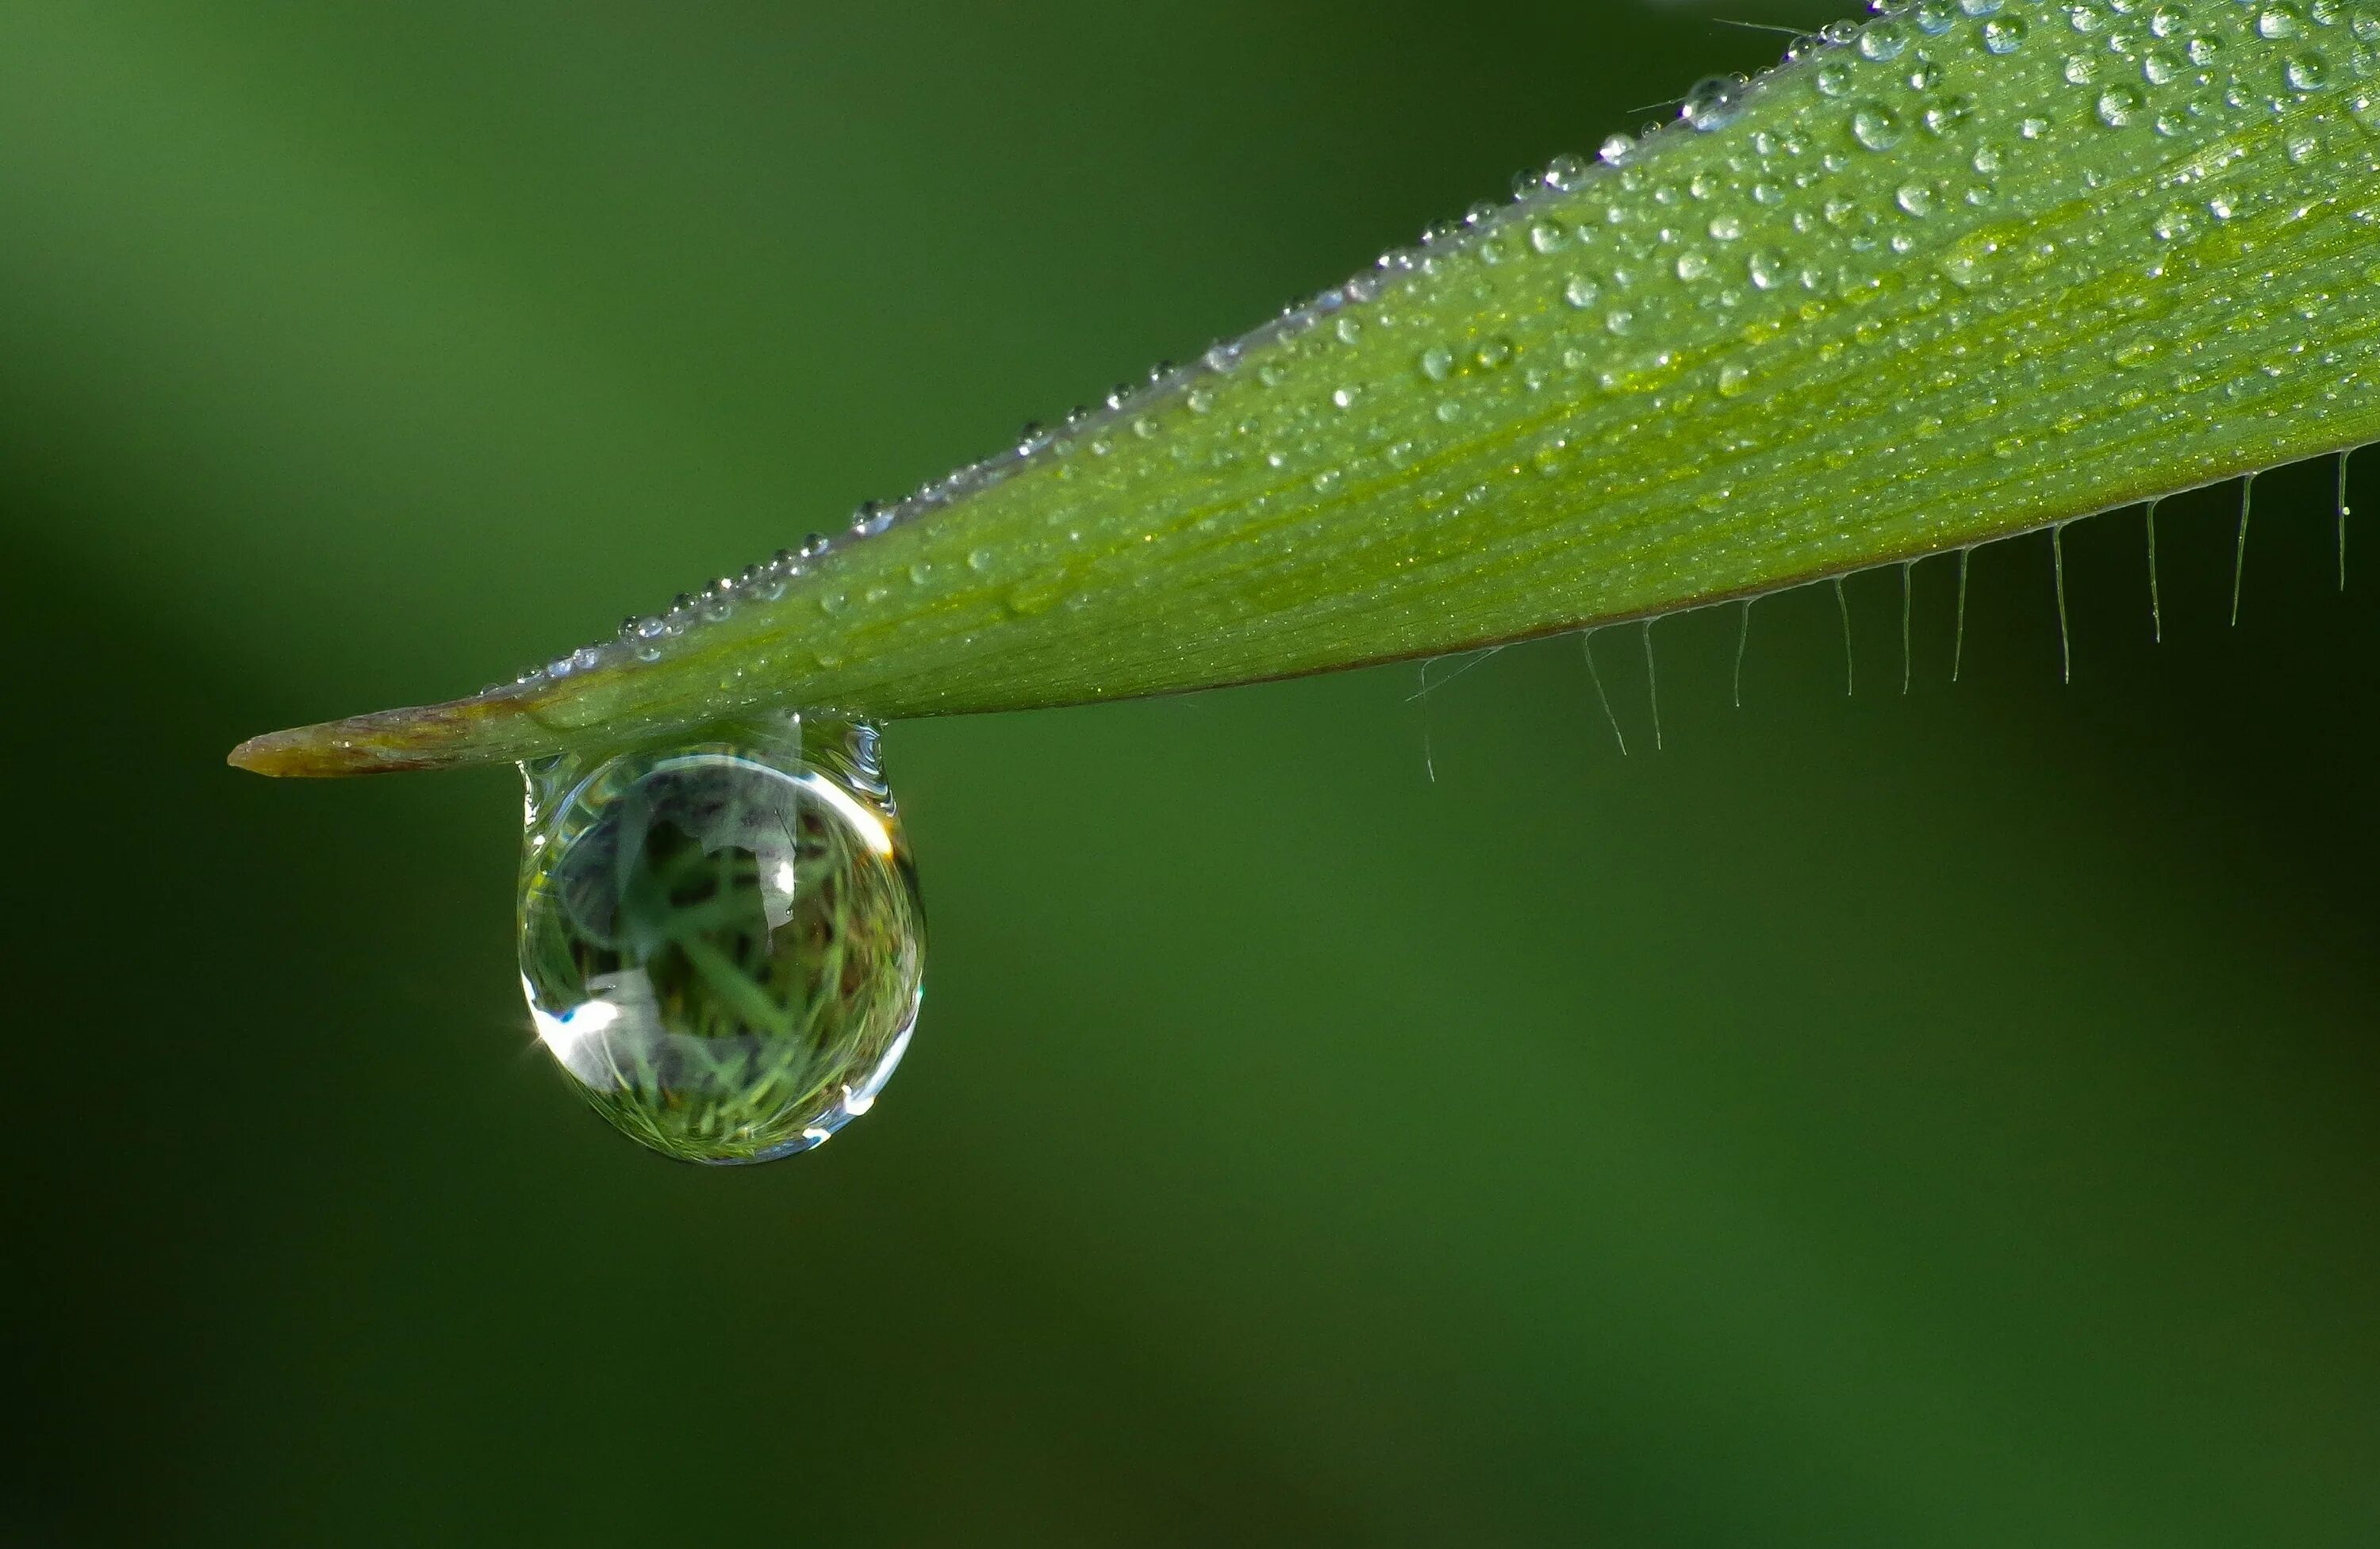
(1940, 1119)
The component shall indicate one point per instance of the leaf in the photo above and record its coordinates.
(1937, 280)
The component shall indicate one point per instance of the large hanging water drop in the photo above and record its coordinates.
(720, 940)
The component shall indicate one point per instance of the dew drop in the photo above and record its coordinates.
(1438, 363)
(2308, 71)
(1713, 102)
(721, 941)
(2004, 34)
(1876, 127)
(2120, 106)
(1581, 291)
(1883, 40)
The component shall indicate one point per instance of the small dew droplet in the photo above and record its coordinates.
(1883, 39)
(1876, 127)
(2120, 107)
(1713, 102)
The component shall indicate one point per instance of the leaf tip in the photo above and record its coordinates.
(386, 742)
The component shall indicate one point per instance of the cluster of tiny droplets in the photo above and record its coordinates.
(2157, 68)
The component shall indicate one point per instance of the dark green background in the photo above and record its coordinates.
(1948, 1120)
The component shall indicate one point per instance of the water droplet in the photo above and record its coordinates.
(1945, 114)
(1876, 127)
(1581, 291)
(1916, 199)
(1934, 17)
(1438, 363)
(2308, 71)
(1713, 102)
(2279, 19)
(1883, 40)
(2004, 34)
(1833, 78)
(722, 942)
(1766, 268)
(1733, 380)
(2120, 106)
(2173, 226)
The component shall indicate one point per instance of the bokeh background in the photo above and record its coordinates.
(1941, 1118)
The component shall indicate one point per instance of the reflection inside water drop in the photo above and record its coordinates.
(721, 939)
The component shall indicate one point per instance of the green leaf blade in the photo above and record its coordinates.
(1906, 295)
